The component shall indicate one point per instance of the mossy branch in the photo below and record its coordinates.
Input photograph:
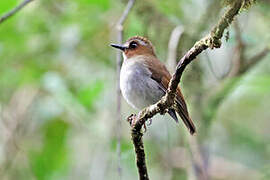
(213, 40)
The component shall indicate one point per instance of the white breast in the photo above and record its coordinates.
(136, 84)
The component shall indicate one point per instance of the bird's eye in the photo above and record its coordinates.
(133, 45)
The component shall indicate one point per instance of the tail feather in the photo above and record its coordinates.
(173, 114)
(186, 119)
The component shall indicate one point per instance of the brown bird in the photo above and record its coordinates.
(144, 79)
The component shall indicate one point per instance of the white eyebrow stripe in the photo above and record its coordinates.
(141, 42)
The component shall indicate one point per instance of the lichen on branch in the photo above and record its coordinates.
(212, 40)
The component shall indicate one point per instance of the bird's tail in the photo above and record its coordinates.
(173, 114)
(183, 113)
(185, 117)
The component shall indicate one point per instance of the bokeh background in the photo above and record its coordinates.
(58, 116)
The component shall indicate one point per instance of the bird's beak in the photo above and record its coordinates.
(121, 47)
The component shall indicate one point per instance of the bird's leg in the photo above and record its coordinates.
(132, 121)
(145, 128)
(147, 124)
(144, 124)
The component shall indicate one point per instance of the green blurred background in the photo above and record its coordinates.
(58, 116)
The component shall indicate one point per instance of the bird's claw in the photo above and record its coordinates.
(145, 128)
(149, 122)
(132, 120)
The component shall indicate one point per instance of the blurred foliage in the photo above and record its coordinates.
(52, 158)
(87, 95)
(68, 129)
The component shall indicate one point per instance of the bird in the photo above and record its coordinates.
(144, 79)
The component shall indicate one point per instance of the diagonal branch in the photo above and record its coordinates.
(210, 41)
(126, 12)
(254, 60)
(14, 10)
(119, 28)
(238, 54)
(227, 87)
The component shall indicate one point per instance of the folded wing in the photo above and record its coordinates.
(162, 77)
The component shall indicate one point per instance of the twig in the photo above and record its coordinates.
(240, 65)
(172, 47)
(227, 87)
(126, 12)
(14, 10)
(119, 28)
(238, 55)
(254, 60)
(197, 159)
(212, 41)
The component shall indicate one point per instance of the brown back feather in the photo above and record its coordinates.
(163, 77)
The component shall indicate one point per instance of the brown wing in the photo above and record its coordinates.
(163, 78)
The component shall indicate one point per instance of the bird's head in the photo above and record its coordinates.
(136, 45)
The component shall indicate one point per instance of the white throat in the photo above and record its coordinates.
(124, 56)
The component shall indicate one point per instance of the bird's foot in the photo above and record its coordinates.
(164, 112)
(132, 119)
(145, 127)
(149, 122)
